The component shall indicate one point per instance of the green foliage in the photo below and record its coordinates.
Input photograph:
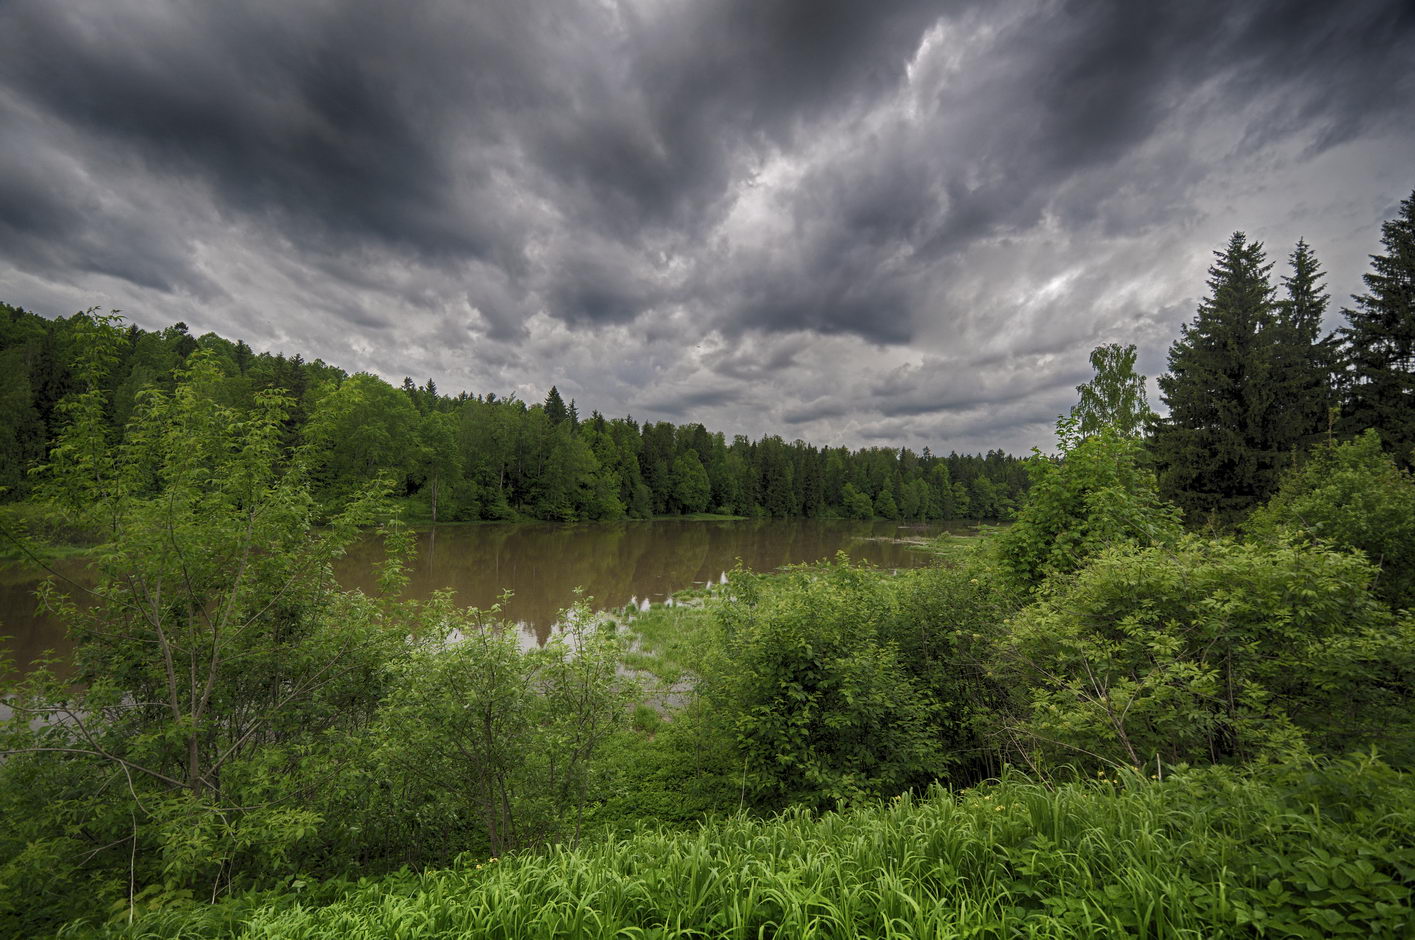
(675, 772)
(1203, 853)
(438, 461)
(1245, 385)
(885, 506)
(691, 489)
(361, 430)
(1379, 340)
(949, 623)
(213, 654)
(1304, 363)
(1210, 651)
(483, 744)
(1351, 496)
(478, 457)
(1115, 397)
(1100, 494)
(237, 727)
(856, 505)
(812, 686)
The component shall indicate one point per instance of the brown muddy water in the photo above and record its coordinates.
(542, 565)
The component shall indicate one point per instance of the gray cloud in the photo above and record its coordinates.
(899, 218)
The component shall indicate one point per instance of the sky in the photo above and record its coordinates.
(859, 223)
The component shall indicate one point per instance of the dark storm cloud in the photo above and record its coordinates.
(355, 123)
(693, 195)
(312, 113)
(1053, 123)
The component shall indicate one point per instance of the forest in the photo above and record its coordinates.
(485, 457)
(1175, 697)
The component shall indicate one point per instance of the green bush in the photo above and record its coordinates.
(946, 628)
(1213, 651)
(481, 745)
(215, 658)
(1100, 494)
(811, 684)
(1350, 496)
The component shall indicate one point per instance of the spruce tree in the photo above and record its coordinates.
(555, 408)
(1210, 448)
(1380, 341)
(1302, 361)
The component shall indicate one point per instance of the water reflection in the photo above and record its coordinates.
(542, 565)
(619, 563)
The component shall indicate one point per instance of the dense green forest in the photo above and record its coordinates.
(485, 457)
(1174, 698)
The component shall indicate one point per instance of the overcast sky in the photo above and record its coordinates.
(855, 223)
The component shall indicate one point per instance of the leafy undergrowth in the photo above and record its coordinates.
(1300, 851)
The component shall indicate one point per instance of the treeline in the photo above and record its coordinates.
(485, 457)
(1253, 382)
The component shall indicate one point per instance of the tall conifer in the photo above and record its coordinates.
(1210, 449)
(1380, 341)
(554, 406)
(1302, 361)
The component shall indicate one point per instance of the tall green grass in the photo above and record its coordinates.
(1295, 851)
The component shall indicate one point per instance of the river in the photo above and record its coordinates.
(542, 564)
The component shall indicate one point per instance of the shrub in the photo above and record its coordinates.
(1350, 496)
(1101, 493)
(813, 689)
(1214, 651)
(483, 744)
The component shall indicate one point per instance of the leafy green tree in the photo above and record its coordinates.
(213, 655)
(777, 478)
(1100, 494)
(988, 499)
(1115, 397)
(439, 461)
(856, 504)
(941, 491)
(962, 502)
(691, 490)
(656, 462)
(360, 431)
(486, 436)
(1212, 449)
(1380, 340)
(567, 480)
(913, 499)
(1350, 496)
(885, 506)
(21, 432)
